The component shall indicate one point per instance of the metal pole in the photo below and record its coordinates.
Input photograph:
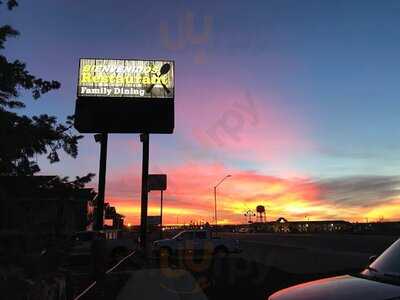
(215, 206)
(161, 214)
(102, 182)
(144, 138)
(161, 210)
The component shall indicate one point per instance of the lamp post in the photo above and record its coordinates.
(215, 198)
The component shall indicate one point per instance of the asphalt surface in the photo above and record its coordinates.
(334, 242)
(311, 253)
(269, 262)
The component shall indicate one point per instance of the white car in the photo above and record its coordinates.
(379, 281)
(193, 242)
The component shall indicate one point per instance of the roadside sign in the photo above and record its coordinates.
(153, 220)
(125, 96)
(157, 182)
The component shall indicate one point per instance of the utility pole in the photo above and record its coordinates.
(144, 138)
(101, 138)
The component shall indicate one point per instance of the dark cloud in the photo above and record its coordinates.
(364, 191)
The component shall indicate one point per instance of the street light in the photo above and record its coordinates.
(215, 198)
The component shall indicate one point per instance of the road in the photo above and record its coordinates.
(268, 263)
(311, 253)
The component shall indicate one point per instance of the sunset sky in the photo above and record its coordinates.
(297, 100)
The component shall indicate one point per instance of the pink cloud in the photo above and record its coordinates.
(241, 125)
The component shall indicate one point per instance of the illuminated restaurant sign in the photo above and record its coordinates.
(126, 78)
(125, 96)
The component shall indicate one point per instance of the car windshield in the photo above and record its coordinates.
(388, 264)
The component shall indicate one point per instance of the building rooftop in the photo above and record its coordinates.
(40, 185)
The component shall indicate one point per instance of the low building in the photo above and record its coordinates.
(391, 228)
(285, 226)
(32, 204)
(116, 219)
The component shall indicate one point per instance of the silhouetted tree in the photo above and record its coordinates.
(23, 137)
(64, 184)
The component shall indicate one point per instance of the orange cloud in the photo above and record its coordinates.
(190, 197)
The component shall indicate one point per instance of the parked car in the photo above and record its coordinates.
(195, 242)
(115, 245)
(380, 280)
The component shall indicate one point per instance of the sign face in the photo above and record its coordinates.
(125, 96)
(126, 78)
(154, 220)
(157, 182)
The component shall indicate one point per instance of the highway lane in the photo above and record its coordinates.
(335, 242)
(311, 253)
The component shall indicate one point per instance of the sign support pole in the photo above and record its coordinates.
(102, 182)
(144, 138)
(161, 206)
(161, 214)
